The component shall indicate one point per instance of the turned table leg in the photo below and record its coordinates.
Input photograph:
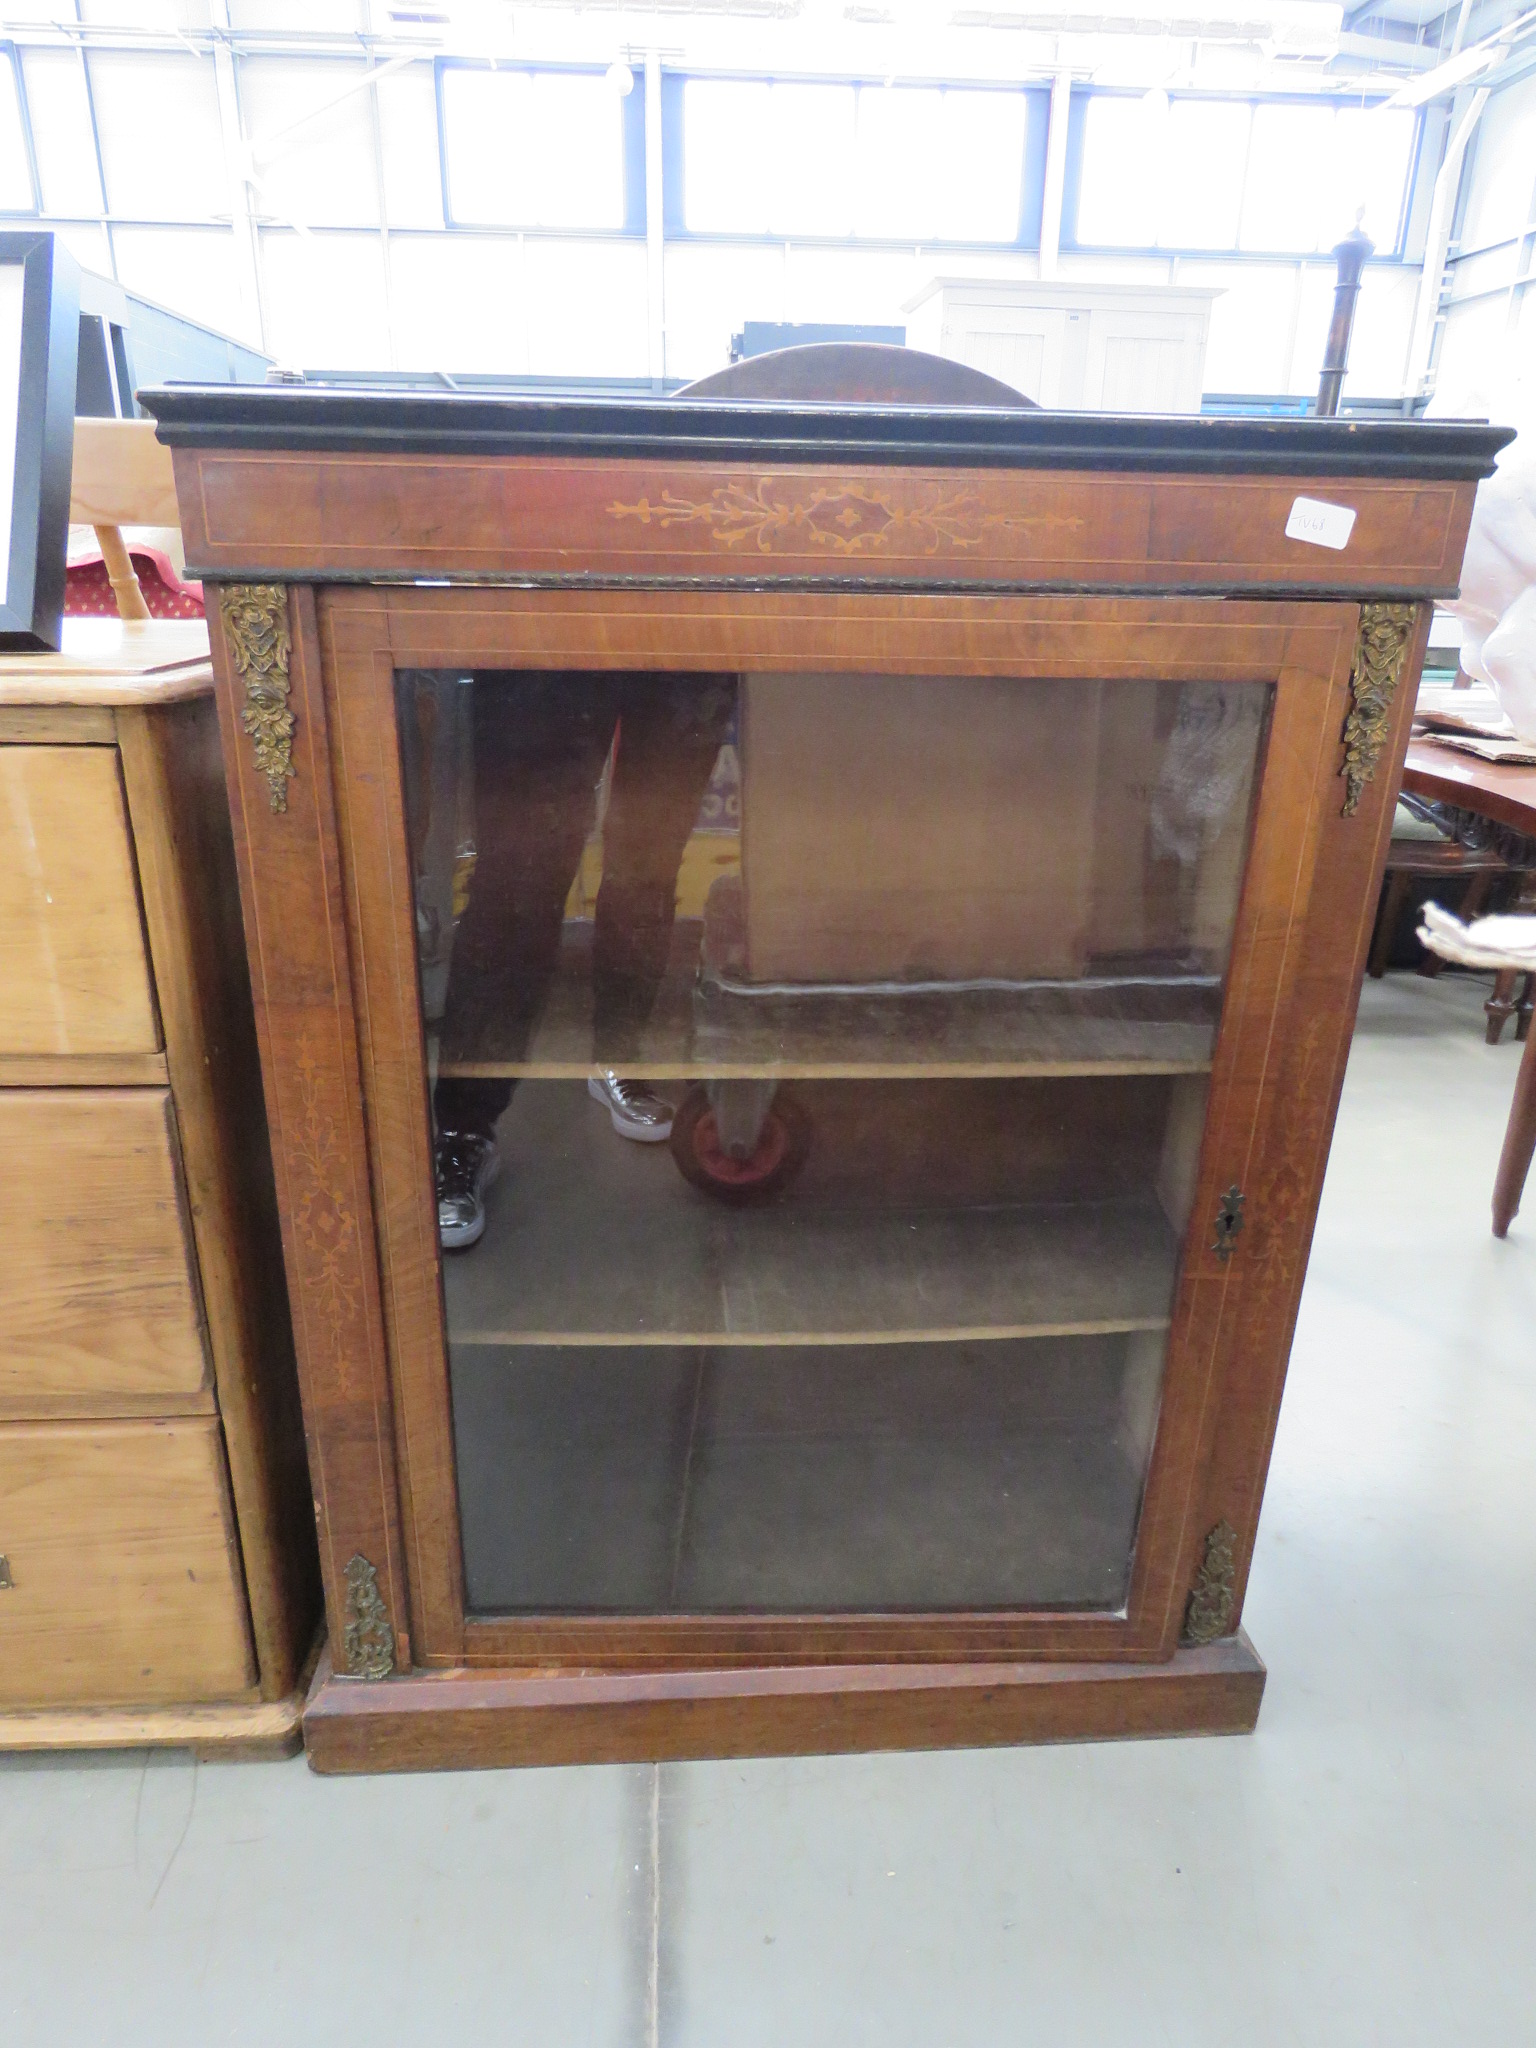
(1501, 1005)
(1519, 1143)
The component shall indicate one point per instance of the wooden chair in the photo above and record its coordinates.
(121, 477)
(1420, 850)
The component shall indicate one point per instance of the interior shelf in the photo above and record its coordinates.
(1109, 1024)
(592, 1240)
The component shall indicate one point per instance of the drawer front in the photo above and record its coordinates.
(98, 1298)
(120, 1583)
(74, 977)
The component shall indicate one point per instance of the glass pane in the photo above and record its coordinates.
(878, 161)
(15, 177)
(543, 149)
(1205, 143)
(809, 166)
(408, 148)
(818, 1074)
(725, 138)
(1249, 348)
(162, 148)
(583, 306)
(192, 271)
(1372, 150)
(979, 167)
(898, 150)
(768, 159)
(1119, 187)
(62, 140)
(325, 298)
(1289, 168)
(312, 142)
(1161, 173)
(457, 302)
(1311, 169)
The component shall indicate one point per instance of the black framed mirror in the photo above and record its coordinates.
(39, 343)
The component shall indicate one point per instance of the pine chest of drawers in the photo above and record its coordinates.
(157, 1575)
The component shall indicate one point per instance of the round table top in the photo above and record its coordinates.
(1493, 789)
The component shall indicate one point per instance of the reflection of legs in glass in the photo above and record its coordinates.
(671, 729)
(540, 742)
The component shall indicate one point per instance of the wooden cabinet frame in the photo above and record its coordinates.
(585, 534)
(384, 1460)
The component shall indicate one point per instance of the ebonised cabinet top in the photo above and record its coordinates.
(297, 420)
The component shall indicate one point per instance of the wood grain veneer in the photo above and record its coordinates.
(123, 1565)
(73, 973)
(98, 1290)
(328, 516)
(443, 1721)
(160, 1577)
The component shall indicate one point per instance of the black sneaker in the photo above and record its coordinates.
(467, 1163)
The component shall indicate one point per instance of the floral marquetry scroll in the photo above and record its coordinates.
(260, 644)
(842, 519)
(1380, 651)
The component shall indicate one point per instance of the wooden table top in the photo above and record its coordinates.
(1492, 789)
(112, 662)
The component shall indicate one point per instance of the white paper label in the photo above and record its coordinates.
(1320, 525)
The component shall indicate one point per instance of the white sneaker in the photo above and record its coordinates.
(636, 1112)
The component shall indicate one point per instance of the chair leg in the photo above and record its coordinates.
(1387, 917)
(1523, 1015)
(1519, 1144)
(1479, 889)
(1501, 1005)
(120, 573)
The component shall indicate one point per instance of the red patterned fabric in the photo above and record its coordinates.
(88, 589)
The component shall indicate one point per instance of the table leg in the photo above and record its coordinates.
(1519, 1143)
(1501, 1005)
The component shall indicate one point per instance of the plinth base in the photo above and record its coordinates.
(457, 1720)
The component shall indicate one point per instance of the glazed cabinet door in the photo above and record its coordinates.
(860, 1018)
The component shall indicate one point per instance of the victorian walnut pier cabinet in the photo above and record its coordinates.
(961, 827)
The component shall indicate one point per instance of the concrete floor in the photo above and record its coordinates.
(1360, 1871)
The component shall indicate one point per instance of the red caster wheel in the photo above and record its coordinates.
(761, 1148)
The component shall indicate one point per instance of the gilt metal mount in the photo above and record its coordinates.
(1229, 1223)
(368, 1641)
(1381, 648)
(1214, 1593)
(7, 1583)
(260, 644)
